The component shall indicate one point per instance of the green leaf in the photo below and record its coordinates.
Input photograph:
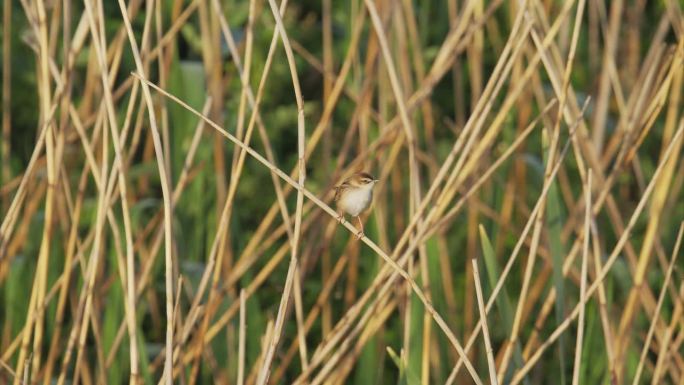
(503, 301)
(405, 377)
(554, 226)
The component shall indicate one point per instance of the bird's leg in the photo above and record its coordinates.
(360, 233)
(340, 217)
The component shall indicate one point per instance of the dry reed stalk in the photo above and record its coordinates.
(320, 304)
(168, 233)
(583, 284)
(11, 349)
(258, 281)
(657, 205)
(661, 298)
(71, 246)
(573, 252)
(511, 260)
(180, 185)
(313, 140)
(633, 94)
(39, 286)
(118, 153)
(5, 148)
(243, 333)
(447, 163)
(333, 360)
(557, 82)
(72, 115)
(602, 302)
(663, 351)
(414, 177)
(608, 62)
(326, 315)
(378, 318)
(330, 212)
(265, 370)
(428, 125)
(601, 198)
(254, 103)
(483, 322)
(79, 331)
(610, 261)
(530, 263)
(219, 248)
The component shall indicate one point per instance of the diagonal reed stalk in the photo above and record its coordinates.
(175, 226)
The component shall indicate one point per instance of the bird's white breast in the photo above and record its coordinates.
(355, 201)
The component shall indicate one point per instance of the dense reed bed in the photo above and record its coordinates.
(167, 169)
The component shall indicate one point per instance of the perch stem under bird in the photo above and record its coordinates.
(353, 196)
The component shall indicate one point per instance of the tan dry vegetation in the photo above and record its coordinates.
(168, 227)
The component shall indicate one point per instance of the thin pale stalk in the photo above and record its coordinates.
(333, 214)
(483, 320)
(661, 299)
(165, 182)
(583, 284)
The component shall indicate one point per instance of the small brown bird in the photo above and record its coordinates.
(354, 195)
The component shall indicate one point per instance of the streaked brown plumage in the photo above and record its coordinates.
(354, 195)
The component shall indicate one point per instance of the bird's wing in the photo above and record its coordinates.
(338, 190)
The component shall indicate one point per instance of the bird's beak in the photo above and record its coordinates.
(376, 180)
